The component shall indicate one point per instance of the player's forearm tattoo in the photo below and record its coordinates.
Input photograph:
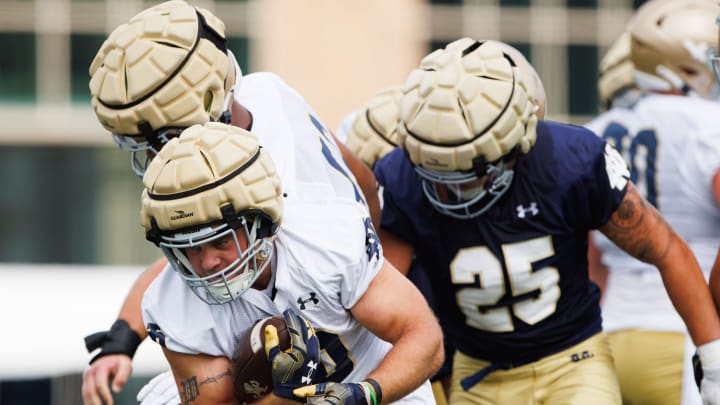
(216, 378)
(639, 229)
(190, 389)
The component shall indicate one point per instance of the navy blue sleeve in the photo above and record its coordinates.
(599, 182)
(390, 189)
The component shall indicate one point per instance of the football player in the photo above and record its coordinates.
(496, 206)
(371, 132)
(653, 78)
(166, 69)
(245, 241)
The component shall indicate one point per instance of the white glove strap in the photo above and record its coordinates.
(366, 390)
(710, 354)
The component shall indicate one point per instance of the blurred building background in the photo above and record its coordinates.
(70, 203)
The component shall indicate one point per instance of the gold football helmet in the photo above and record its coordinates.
(166, 69)
(210, 183)
(465, 113)
(670, 46)
(616, 84)
(374, 130)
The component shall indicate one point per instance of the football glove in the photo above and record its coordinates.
(709, 355)
(697, 369)
(300, 364)
(161, 390)
(330, 393)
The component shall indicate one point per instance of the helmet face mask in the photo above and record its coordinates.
(464, 195)
(141, 149)
(228, 283)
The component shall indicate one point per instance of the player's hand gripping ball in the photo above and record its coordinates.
(299, 365)
(251, 368)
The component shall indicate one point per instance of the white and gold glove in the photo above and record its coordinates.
(709, 354)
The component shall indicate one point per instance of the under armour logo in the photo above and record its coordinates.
(312, 298)
(523, 212)
(307, 379)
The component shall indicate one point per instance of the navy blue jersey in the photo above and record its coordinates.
(512, 284)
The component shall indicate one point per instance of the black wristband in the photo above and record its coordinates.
(120, 339)
(376, 388)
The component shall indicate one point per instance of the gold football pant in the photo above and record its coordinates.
(649, 365)
(583, 374)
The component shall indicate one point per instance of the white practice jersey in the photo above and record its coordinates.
(326, 252)
(672, 144)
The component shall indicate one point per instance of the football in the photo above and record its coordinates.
(251, 368)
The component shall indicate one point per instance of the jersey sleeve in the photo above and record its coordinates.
(393, 219)
(356, 279)
(599, 186)
(161, 323)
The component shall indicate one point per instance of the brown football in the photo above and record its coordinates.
(251, 368)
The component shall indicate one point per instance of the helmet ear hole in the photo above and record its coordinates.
(208, 100)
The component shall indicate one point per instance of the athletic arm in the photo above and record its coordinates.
(117, 368)
(715, 272)
(404, 319)
(640, 230)
(131, 310)
(202, 379)
(399, 252)
(715, 281)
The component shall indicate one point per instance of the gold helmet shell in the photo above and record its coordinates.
(373, 132)
(204, 170)
(671, 42)
(465, 102)
(536, 89)
(168, 67)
